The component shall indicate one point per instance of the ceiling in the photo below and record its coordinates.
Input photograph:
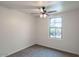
(32, 7)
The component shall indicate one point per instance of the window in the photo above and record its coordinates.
(55, 27)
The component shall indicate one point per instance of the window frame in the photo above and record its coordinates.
(55, 27)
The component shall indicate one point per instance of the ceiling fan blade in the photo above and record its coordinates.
(24, 7)
(34, 13)
(51, 11)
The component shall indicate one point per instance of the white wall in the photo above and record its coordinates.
(17, 31)
(70, 40)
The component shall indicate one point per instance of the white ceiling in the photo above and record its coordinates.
(33, 6)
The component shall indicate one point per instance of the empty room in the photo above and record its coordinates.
(39, 28)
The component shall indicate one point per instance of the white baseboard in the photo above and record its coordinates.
(18, 50)
(58, 49)
(40, 45)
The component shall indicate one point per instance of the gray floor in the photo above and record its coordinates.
(40, 51)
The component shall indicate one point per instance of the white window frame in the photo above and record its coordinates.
(61, 29)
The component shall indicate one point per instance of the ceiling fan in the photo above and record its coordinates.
(44, 13)
(42, 10)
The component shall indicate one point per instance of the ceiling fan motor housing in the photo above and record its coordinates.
(44, 11)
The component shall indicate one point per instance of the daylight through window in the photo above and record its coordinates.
(55, 27)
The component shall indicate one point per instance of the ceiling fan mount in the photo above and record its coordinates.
(42, 9)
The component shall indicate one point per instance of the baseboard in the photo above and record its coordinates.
(58, 50)
(43, 46)
(19, 50)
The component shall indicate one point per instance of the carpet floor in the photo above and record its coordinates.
(41, 51)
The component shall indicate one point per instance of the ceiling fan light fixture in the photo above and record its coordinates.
(44, 15)
(41, 15)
